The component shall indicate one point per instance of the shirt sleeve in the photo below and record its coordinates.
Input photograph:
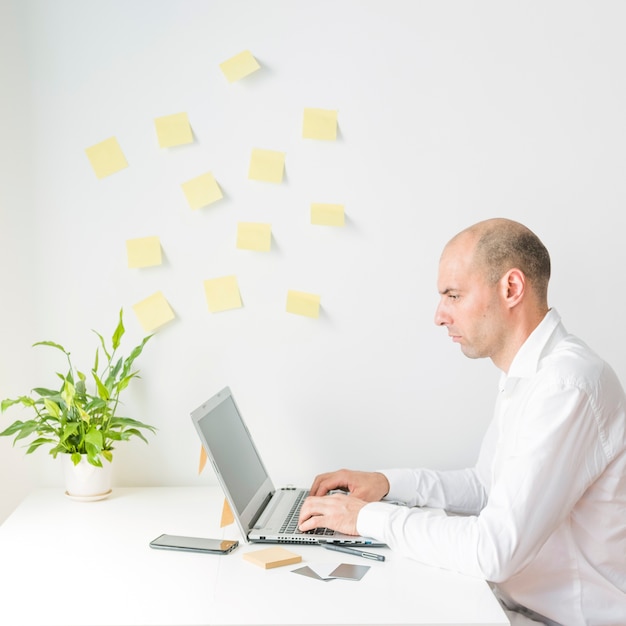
(553, 455)
(458, 491)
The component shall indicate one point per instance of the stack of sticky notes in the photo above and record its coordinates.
(272, 557)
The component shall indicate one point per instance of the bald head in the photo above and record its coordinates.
(500, 245)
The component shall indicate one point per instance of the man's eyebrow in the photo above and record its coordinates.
(447, 290)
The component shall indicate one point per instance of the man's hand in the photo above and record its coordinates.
(336, 511)
(367, 486)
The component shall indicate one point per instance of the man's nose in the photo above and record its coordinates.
(441, 317)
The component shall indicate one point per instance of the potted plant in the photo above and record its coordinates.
(83, 425)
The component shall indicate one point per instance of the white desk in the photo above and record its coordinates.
(65, 563)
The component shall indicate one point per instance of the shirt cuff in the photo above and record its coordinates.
(401, 485)
(373, 520)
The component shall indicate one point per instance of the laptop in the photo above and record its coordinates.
(264, 514)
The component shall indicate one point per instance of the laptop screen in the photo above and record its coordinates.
(231, 447)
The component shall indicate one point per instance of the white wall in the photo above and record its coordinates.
(17, 271)
(449, 112)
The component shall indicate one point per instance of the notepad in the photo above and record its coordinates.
(272, 557)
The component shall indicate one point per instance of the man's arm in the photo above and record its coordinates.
(555, 456)
(541, 471)
(455, 491)
(460, 491)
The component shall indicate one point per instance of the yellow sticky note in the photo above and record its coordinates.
(203, 460)
(266, 165)
(319, 124)
(106, 157)
(302, 303)
(202, 190)
(153, 312)
(173, 130)
(222, 294)
(327, 214)
(227, 515)
(239, 66)
(269, 558)
(143, 252)
(253, 236)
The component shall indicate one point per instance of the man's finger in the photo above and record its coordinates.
(312, 509)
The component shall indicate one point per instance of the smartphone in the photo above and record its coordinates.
(194, 544)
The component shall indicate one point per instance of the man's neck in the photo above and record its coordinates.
(522, 328)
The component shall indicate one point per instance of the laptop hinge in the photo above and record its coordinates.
(260, 510)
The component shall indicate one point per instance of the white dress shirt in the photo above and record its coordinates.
(544, 509)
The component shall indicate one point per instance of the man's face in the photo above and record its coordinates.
(469, 307)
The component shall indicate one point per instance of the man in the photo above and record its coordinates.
(543, 512)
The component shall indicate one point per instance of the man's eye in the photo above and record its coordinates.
(453, 296)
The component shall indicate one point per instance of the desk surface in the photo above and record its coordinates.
(67, 563)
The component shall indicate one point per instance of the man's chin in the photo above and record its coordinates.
(470, 353)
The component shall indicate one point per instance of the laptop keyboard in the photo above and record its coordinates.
(290, 525)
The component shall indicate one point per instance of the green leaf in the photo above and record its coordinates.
(52, 345)
(103, 392)
(107, 455)
(76, 457)
(104, 347)
(68, 393)
(56, 397)
(95, 404)
(119, 332)
(94, 458)
(81, 389)
(27, 428)
(123, 383)
(71, 428)
(24, 400)
(12, 429)
(114, 372)
(59, 448)
(53, 407)
(44, 391)
(127, 434)
(37, 443)
(135, 352)
(94, 437)
(116, 422)
(95, 363)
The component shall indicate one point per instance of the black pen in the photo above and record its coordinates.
(353, 550)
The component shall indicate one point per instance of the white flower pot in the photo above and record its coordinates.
(85, 481)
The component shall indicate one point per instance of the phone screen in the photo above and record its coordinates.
(194, 544)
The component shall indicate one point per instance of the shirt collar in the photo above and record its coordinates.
(526, 361)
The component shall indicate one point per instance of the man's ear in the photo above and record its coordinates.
(514, 286)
